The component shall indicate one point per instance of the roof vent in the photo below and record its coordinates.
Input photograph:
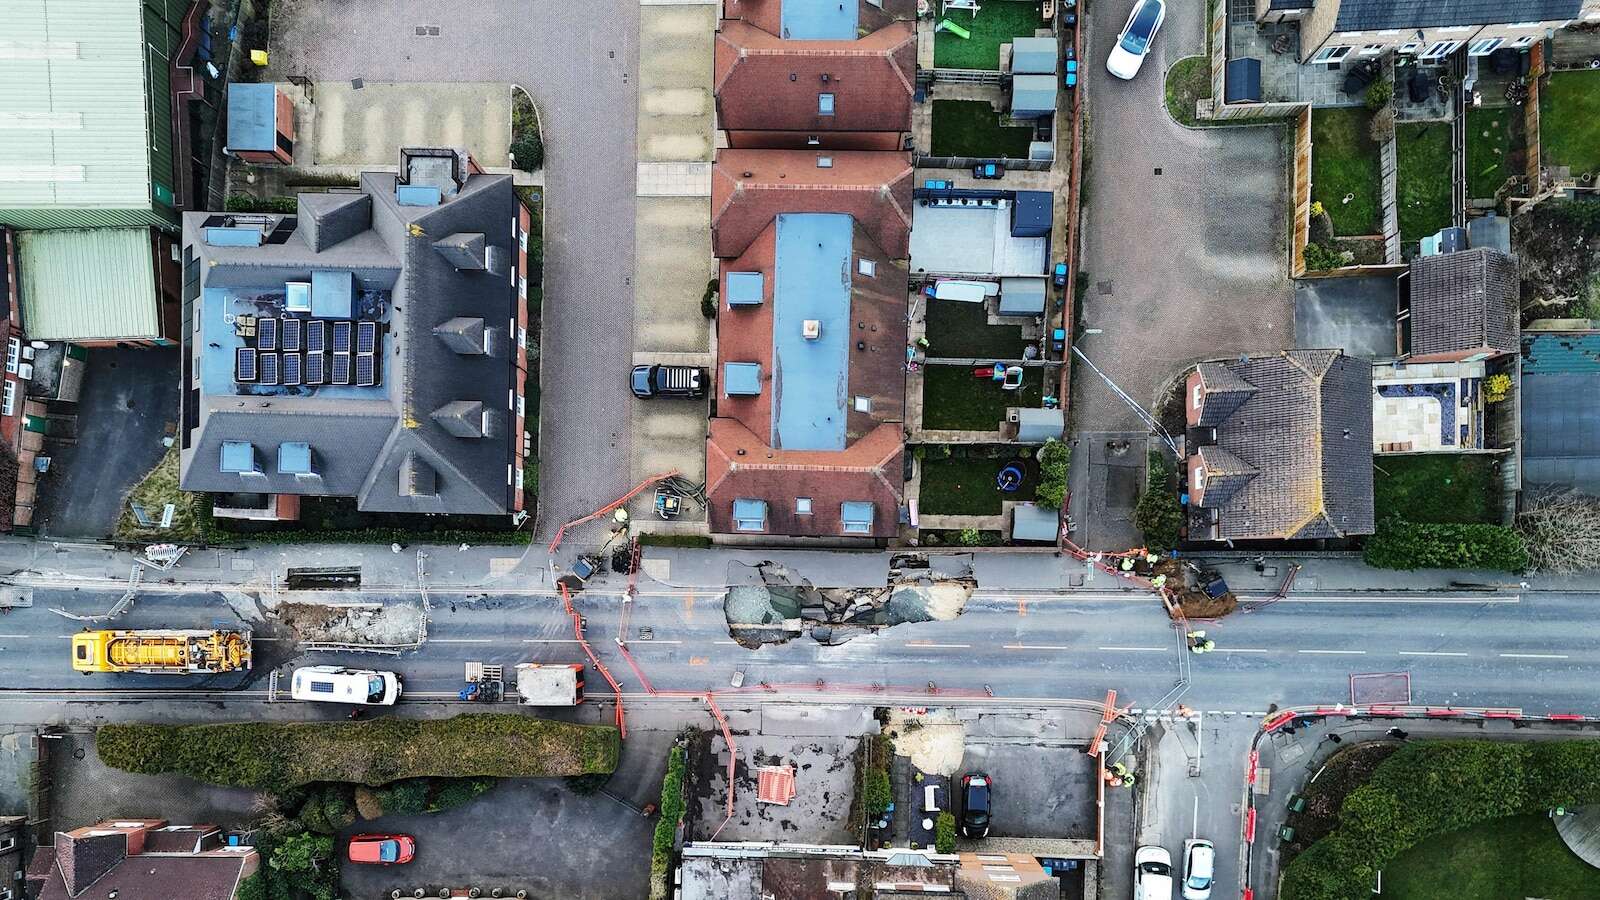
(747, 174)
(811, 329)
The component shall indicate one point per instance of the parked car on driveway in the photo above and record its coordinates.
(975, 805)
(1133, 44)
(1199, 868)
(1152, 874)
(382, 849)
(988, 170)
(669, 381)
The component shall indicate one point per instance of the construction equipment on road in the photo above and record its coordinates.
(540, 684)
(485, 683)
(161, 651)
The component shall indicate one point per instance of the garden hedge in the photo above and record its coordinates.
(276, 757)
(672, 807)
(1399, 544)
(1429, 788)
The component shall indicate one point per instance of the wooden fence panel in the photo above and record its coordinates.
(1300, 231)
(1530, 119)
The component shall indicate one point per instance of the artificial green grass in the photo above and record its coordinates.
(1569, 121)
(996, 23)
(1422, 182)
(1188, 82)
(1520, 856)
(972, 128)
(965, 486)
(958, 329)
(1436, 488)
(1489, 149)
(953, 399)
(1344, 161)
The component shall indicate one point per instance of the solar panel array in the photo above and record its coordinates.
(292, 352)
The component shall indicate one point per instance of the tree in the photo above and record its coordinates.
(301, 853)
(1379, 94)
(876, 794)
(1158, 513)
(944, 832)
(1055, 460)
(1561, 531)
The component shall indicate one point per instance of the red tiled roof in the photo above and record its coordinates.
(749, 188)
(775, 784)
(739, 464)
(765, 83)
(744, 334)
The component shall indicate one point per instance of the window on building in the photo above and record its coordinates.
(239, 457)
(802, 506)
(867, 267)
(1484, 47)
(857, 516)
(824, 162)
(1524, 41)
(1457, 29)
(1331, 55)
(1525, 25)
(824, 104)
(1199, 394)
(1372, 49)
(1441, 49)
(10, 405)
(750, 515)
(1200, 478)
(863, 404)
(1410, 47)
(13, 355)
(1389, 32)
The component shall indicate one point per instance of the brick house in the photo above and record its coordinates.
(140, 859)
(1461, 307)
(1430, 30)
(1279, 447)
(830, 76)
(808, 438)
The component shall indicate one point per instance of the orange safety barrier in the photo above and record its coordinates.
(733, 754)
(1278, 721)
(1250, 771)
(1565, 717)
(1250, 826)
(583, 641)
(562, 531)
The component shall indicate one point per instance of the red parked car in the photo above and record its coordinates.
(382, 849)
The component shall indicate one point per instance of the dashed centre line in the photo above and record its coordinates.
(1534, 655)
(1137, 649)
(1431, 652)
(929, 645)
(1335, 652)
(1036, 647)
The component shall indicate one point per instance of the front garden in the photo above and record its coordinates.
(1518, 856)
(996, 23)
(1422, 180)
(1455, 488)
(972, 128)
(955, 399)
(1344, 169)
(1569, 121)
(1188, 82)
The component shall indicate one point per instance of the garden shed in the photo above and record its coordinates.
(1032, 522)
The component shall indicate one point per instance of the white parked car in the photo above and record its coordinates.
(1152, 874)
(1199, 869)
(1133, 44)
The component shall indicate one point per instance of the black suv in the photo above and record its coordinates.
(975, 805)
(669, 381)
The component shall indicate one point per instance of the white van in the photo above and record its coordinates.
(336, 684)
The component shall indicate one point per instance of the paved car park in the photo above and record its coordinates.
(578, 62)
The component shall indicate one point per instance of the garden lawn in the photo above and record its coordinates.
(954, 399)
(1488, 149)
(1569, 121)
(958, 329)
(972, 128)
(1188, 82)
(997, 23)
(965, 486)
(1520, 856)
(1439, 488)
(1344, 160)
(1422, 190)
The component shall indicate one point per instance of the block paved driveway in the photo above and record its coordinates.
(578, 62)
(1185, 265)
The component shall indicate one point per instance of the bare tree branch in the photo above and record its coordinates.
(1562, 531)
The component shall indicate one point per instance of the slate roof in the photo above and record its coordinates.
(359, 445)
(82, 860)
(1363, 15)
(1464, 301)
(749, 188)
(1307, 432)
(765, 83)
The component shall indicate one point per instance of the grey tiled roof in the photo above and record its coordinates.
(1362, 15)
(1464, 301)
(1224, 393)
(359, 445)
(1307, 432)
(1226, 474)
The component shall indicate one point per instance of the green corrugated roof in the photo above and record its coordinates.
(88, 284)
(72, 88)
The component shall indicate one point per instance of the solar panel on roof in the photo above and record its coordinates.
(269, 368)
(316, 333)
(341, 369)
(366, 337)
(366, 370)
(291, 368)
(316, 372)
(267, 334)
(244, 364)
(341, 337)
(289, 332)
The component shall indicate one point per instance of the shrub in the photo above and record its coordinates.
(404, 797)
(708, 300)
(1321, 258)
(301, 853)
(278, 756)
(1158, 513)
(1381, 126)
(667, 825)
(1379, 94)
(876, 793)
(247, 204)
(1496, 388)
(1399, 544)
(1055, 460)
(453, 792)
(944, 832)
(586, 785)
(368, 806)
(528, 153)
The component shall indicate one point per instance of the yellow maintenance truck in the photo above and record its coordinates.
(161, 651)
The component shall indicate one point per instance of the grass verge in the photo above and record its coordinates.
(956, 400)
(277, 757)
(1422, 189)
(1344, 163)
(972, 128)
(1443, 487)
(1518, 856)
(958, 329)
(1188, 82)
(996, 23)
(1569, 121)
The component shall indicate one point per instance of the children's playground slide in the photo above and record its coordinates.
(953, 28)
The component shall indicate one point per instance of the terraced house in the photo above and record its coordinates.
(1331, 30)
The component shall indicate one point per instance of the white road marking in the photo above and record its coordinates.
(1432, 652)
(1354, 598)
(1534, 655)
(19, 635)
(1138, 649)
(550, 640)
(921, 646)
(1335, 652)
(1240, 650)
(1036, 647)
(461, 640)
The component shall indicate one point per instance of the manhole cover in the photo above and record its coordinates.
(357, 83)
(646, 633)
(1104, 287)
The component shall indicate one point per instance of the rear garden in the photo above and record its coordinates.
(961, 481)
(955, 398)
(972, 128)
(962, 330)
(1437, 488)
(1422, 183)
(1344, 169)
(1494, 148)
(995, 23)
(1569, 121)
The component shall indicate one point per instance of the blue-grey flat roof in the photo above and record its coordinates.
(252, 116)
(811, 281)
(745, 288)
(820, 20)
(217, 357)
(741, 379)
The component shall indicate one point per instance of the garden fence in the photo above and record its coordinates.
(1301, 178)
(966, 162)
(966, 76)
(1219, 50)
(1530, 119)
(1389, 172)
